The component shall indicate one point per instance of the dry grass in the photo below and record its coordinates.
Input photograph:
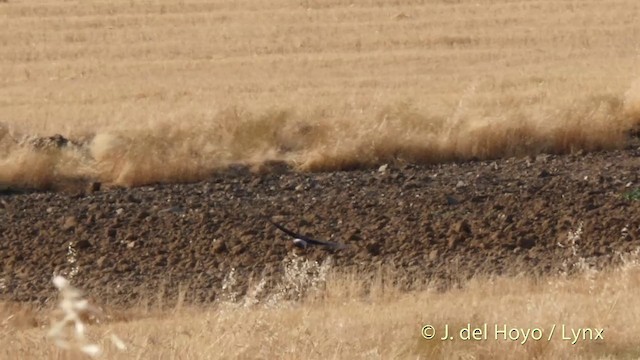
(167, 91)
(348, 317)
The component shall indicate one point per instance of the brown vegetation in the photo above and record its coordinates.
(168, 92)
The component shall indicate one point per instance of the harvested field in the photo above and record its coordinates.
(478, 159)
(168, 91)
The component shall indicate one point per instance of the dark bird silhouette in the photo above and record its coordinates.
(302, 241)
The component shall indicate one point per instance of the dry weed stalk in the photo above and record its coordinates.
(577, 262)
(230, 293)
(302, 276)
(74, 307)
(300, 279)
(72, 259)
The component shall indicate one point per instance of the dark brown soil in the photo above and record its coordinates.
(441, 224)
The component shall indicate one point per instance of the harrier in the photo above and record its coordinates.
(304, 241)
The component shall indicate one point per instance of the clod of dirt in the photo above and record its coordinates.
(95, 186)
(83, 245)
(544, 173)
(70, 223)
(463, 227)
(219, 247)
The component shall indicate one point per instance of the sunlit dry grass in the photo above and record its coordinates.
(168, 91)
(355, 318)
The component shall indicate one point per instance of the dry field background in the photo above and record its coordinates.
(168, 90)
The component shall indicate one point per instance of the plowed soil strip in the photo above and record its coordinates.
(437, 224)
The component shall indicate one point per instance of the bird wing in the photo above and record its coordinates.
(306, 238)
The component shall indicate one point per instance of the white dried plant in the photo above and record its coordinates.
(577, 261)
(253, 295)
(230, 292)
(72, 260)
(301, 278)
(573, 237)
(630, 260)
(74, 307)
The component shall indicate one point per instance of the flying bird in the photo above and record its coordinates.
(302, 241)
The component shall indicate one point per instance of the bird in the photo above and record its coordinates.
(303, 242)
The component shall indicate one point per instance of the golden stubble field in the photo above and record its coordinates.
(168, 90)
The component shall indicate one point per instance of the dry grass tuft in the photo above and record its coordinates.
(402, 133)
(166, 152)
